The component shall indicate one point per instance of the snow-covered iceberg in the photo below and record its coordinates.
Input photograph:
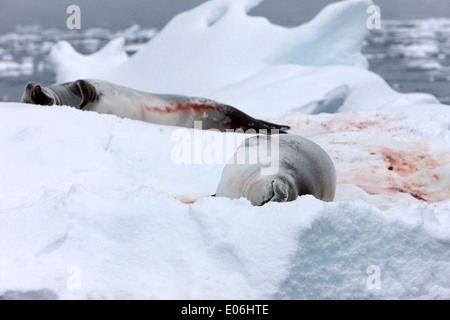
(216, 50)
(94, 206)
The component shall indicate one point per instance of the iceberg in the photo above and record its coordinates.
(71, 63)
(217, 51)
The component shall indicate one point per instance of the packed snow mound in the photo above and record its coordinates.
(93, 206)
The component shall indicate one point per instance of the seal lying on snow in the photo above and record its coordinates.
(175, 110)
(278, 168)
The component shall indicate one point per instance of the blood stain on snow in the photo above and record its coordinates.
(405, 163)
(410, 173)
(186, 200)
(415, 172)
(362, 158)
(340, 124)
(419, 196)
(363, 125)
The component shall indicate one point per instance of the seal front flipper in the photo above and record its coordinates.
(236, 119)
(83, 92)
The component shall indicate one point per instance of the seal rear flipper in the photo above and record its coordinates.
(240, 120)
(88, 92)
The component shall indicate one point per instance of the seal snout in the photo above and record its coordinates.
(35, 95)
(272, 189)
(280, 190)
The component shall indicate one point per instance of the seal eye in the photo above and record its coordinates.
(39, 97)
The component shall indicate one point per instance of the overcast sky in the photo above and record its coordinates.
(120, 14)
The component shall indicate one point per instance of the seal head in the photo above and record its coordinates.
(77, 94)
(34, 94)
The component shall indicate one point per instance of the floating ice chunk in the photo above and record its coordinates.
(423, 64)
(98, 33)
(27, 66)
(9, 67)
(136, 34)
(421, 50)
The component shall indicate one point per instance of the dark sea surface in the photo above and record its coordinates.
(412, 56)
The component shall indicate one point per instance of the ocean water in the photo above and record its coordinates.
(412, 56)
(24, 53)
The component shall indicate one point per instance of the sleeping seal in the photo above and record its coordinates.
(278, 168)
(166, 109)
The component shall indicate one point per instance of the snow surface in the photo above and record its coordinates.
(96, 207)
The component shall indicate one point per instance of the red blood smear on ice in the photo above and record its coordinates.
(415, 194)
(187, 201)
(412, 172)
(404, 163)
